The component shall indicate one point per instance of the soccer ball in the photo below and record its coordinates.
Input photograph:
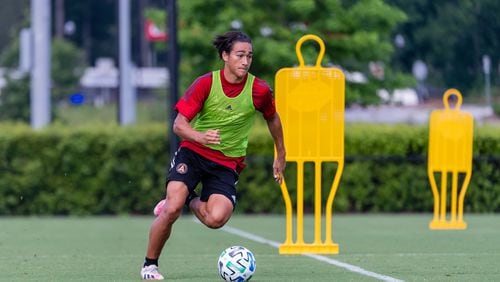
(236, 263)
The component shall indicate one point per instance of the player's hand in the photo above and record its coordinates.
(211, 136)
(278, 168)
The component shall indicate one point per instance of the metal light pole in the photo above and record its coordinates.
(172, 65)
(40, 69)
(487, 86)
(127, 100)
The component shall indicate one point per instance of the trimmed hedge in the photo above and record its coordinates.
(121, 170)
(103, 170)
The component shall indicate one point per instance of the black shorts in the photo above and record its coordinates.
(192, 168)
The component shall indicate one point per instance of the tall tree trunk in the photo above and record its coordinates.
(146, 60)
(86, 32)
(59, 18)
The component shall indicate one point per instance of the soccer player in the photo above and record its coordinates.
(213, 148)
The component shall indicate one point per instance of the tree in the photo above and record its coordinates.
(12, 15)
(355, 33)
(66, 68)
(15, 100)
(96, 29)
(451, 37)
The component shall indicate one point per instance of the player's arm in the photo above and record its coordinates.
(276, 130)
(264, 102)
(182, 127)
(188, 107)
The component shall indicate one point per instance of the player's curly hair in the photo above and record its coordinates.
(225, 42)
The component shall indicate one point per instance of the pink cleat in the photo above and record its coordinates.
(159, 207)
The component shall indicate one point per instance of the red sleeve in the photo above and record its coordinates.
(263, 99)
(194, 97)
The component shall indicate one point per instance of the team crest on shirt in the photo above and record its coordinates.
(181, 168)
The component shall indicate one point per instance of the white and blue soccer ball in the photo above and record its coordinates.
(236, 263)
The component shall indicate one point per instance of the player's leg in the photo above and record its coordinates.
(215, 212)
(216, 203)
(161, 204)
(161, 228)
(183, 178)
(184, 168)
(162, 225)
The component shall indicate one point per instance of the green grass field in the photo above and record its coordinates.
(146, 112)
(372, 247)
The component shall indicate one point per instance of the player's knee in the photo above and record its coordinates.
(171, 212)
(216, 222)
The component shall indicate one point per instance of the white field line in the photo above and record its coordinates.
(350, 267)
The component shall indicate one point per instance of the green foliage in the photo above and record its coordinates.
(67, 67)
(90, 170)
(496, 108)
(9, 57)
(121, 170)
(451, 37)
(14, 100)
(354, 35)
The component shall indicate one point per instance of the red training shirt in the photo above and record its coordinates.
(194, 98)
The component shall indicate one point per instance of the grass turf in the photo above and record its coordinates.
(112, 249)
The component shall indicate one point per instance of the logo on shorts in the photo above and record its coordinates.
(181, 168)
